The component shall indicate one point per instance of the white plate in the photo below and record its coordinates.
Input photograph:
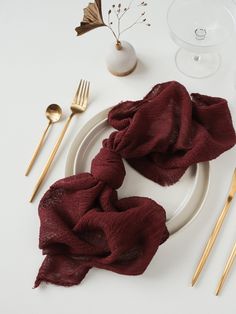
(182, 201)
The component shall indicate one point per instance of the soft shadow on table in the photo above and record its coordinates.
(159, 267)
(167, 259)
(141, 68)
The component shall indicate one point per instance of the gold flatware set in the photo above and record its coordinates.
(79, 105)
(212, 239)
(53, 113)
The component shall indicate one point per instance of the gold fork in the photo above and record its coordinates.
(79, 105)
(216, 230)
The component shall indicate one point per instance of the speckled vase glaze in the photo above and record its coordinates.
(121, 59)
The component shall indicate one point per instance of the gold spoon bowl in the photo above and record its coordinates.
(53, 114)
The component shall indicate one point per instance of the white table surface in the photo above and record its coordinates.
(41, 62)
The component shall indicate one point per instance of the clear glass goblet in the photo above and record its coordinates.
(199, 28)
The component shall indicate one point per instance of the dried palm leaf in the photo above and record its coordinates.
(92, 18)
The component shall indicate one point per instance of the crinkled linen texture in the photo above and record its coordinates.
(169, 130)
(83, 222)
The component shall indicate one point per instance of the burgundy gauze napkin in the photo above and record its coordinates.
(83, 222)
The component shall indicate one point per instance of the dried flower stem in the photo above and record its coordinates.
(119, 14)
(134, 23)
(109, 25)
(93, 18)
(113, 32)
(127, 9)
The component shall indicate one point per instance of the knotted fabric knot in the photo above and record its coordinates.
(108, 167)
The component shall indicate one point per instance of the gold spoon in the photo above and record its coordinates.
(53, 114)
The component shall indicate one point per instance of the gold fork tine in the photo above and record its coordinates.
(77, 106)
(86, 94)
(74, 101)
(81, 98)
(216, 230)
(227, 268)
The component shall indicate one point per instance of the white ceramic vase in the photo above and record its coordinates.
(121, 59)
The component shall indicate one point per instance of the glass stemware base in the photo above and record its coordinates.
(200, 28)
(197, 65)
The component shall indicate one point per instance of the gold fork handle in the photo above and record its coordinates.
(37, 150)
(51, 157)
(211, 240)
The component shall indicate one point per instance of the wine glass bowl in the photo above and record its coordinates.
(199, 28)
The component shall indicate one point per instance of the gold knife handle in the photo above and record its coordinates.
(51, 157)
(37, 150)
(228, 266)
(216, 229)
(211, 241)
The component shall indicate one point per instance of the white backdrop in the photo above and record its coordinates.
(41, 62)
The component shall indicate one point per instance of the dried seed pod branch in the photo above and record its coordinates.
(134, 23)
(93, 18)
(119, 14)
